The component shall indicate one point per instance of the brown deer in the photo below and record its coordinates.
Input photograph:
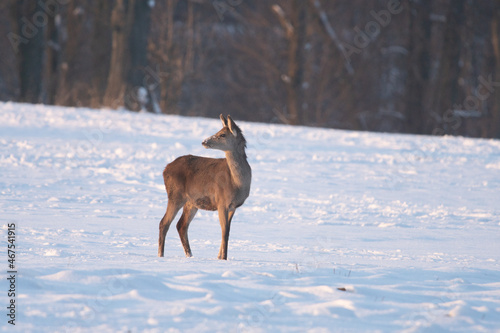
(195, 182)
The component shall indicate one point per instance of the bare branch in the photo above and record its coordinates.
(331, 33)
(283, 20)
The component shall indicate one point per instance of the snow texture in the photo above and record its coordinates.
(343, 231)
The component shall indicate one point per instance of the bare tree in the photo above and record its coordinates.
(419, 64)
(423, 67)
(121, 21)
(31, 51)
(448, 93)
(495, 42)
(295, 28)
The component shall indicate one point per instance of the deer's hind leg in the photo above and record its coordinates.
(172, 210)
(188, 213)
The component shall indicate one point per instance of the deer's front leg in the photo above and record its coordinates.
(225, 217)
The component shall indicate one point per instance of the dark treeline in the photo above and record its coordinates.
(413, 66)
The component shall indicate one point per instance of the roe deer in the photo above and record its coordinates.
(221, 184)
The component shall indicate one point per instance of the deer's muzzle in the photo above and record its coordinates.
(206, 143)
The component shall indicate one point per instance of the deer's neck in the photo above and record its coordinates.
(241, 172)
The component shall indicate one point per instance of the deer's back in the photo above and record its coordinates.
(197, 179)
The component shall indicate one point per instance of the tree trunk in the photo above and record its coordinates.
(188, 58)
(52, 61)
(120, 59)
(495, 41)
(295, 28)
(126, 84)
(31, 52)
(418, 65)
(169, 95)
(138, 54)
(101, 51)
(448, 88)
(296, 62)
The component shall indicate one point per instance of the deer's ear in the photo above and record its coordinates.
(224, 121)
(232, 126)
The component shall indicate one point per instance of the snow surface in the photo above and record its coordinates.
(343, 231)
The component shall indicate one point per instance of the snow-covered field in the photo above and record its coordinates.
(343, 231)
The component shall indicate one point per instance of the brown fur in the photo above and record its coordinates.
(195, 182)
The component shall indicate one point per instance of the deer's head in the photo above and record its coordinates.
(229, 138)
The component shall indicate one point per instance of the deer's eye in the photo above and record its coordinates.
(223, 135)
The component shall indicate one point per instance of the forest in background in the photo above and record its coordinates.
(410, 66)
